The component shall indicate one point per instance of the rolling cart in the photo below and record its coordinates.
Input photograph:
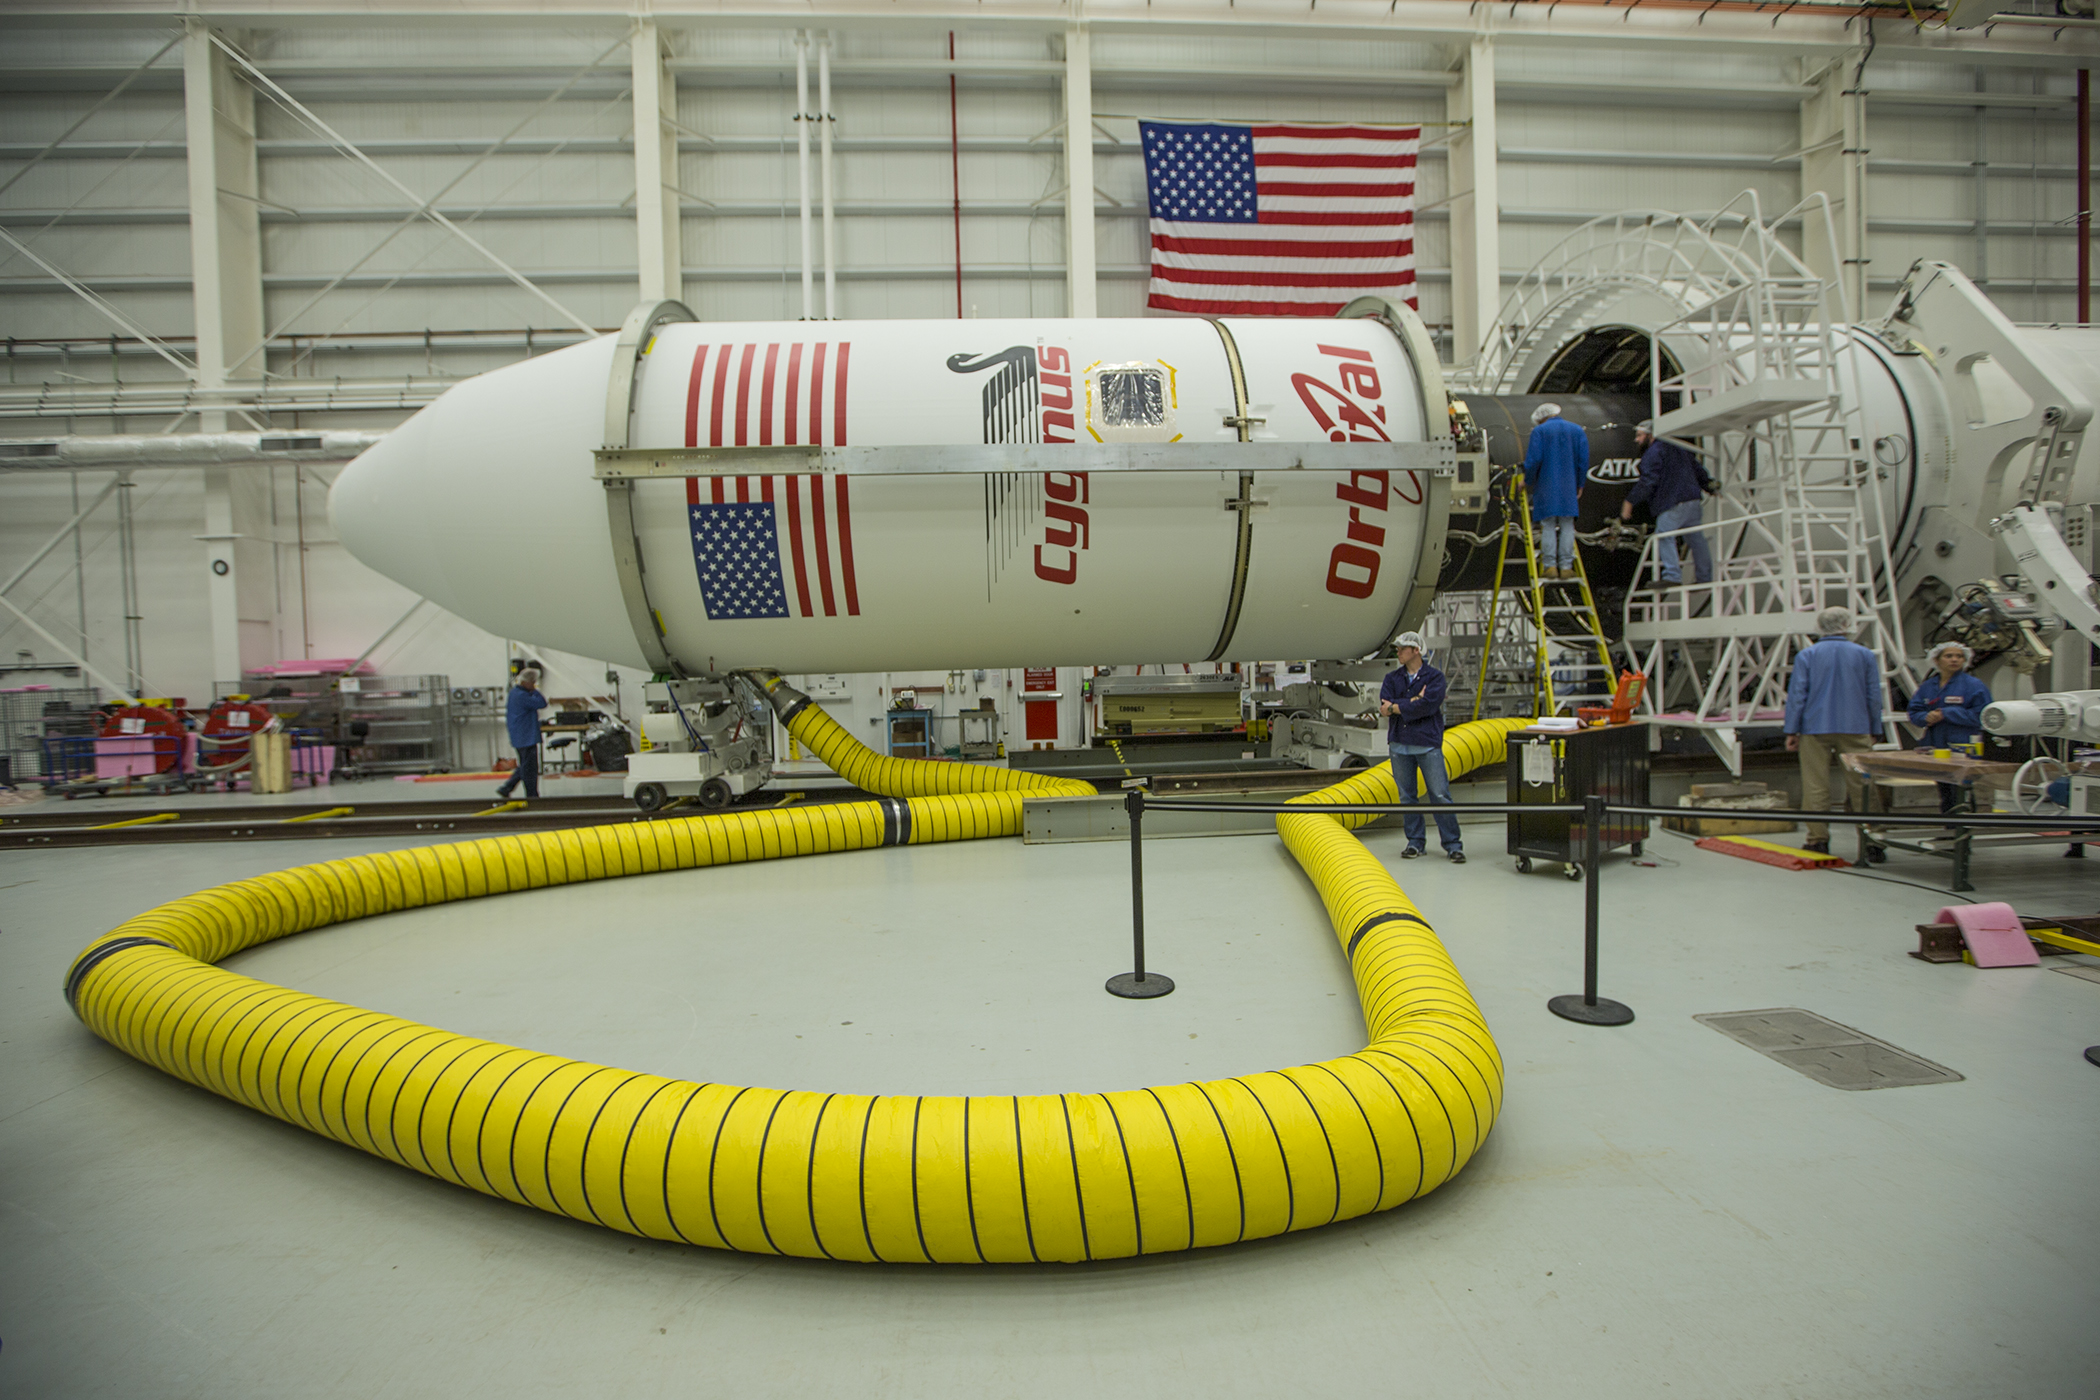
(1554, 766)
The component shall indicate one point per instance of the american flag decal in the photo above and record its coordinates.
(1279, 220)
(771, 546)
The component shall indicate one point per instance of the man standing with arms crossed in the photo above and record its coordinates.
(1412, 699)
(1833, 707)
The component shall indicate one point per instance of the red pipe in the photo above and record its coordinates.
(2085, 196)
(955, 170)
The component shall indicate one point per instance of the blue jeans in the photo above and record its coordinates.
(527, 772)
(1557, 542)
(1430, 766)
(1677, 517)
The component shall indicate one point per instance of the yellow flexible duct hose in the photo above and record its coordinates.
(897, 1178)
(903, 777)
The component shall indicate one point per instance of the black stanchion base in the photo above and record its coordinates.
(1128, 984)
(1602, 1012)
(2092, 1054)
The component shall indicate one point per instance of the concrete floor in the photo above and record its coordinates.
(1660, 1211)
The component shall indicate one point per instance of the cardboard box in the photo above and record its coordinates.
(1702, 793)
(1732, 805)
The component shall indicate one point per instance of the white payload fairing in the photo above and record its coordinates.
(871, 495)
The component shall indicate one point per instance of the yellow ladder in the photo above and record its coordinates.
(1556, 621)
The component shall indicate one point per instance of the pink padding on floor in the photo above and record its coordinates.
(1993, 934)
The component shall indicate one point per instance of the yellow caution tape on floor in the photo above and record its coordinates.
(897, 1178)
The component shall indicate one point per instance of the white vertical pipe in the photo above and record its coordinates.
(659, 256)
(802, 154)
(1080, 299)
(824, 180)
(1476, 241)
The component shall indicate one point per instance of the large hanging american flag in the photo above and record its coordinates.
(1283, 220)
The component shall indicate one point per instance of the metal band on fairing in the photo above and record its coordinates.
(1902, 526)
(1243, 503)
(1407, 328)
(635, 336)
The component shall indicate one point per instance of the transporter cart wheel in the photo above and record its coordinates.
(1523, 865)
(715, 795)
(1572, 870)
(650, 797)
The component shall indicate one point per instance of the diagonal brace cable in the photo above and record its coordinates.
(87, 295)
(349, 149)
(114, 93)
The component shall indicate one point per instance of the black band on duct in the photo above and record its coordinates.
(896, 821)
(94, 956)
(1374, 921)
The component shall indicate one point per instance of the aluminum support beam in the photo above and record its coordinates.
(657, 249)
(1730, 26)
(227, 294)
(824, 120)
(1080, 298)
(1476, 237)
(145, 451)
(225, 228)
(221, 582)
(1834, 161)
(626, 464)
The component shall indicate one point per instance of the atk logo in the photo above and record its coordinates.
(1029, 398)
(1613, 471)
(1349, 410)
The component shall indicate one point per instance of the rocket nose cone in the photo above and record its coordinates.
(375, 509)
(485, 504)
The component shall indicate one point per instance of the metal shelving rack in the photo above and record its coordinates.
(22, 724)
(407, 723)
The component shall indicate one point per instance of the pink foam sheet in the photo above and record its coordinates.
(1993, 934)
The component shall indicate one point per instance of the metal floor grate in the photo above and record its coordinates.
(1825, 1051)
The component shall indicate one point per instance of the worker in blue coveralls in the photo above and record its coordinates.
(1833, 707)
(521, 718)
(1948, 706)
(1672, 481)
(1556, 463)
(1412, 700)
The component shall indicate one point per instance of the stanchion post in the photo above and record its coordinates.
(1136, 983)
(1589, 1008)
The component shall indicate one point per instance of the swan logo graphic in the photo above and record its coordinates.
(1616, 471)
(1028, 398)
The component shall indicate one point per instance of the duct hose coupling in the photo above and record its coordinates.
(787, 702)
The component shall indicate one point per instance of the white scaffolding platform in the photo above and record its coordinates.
(1762, 395)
